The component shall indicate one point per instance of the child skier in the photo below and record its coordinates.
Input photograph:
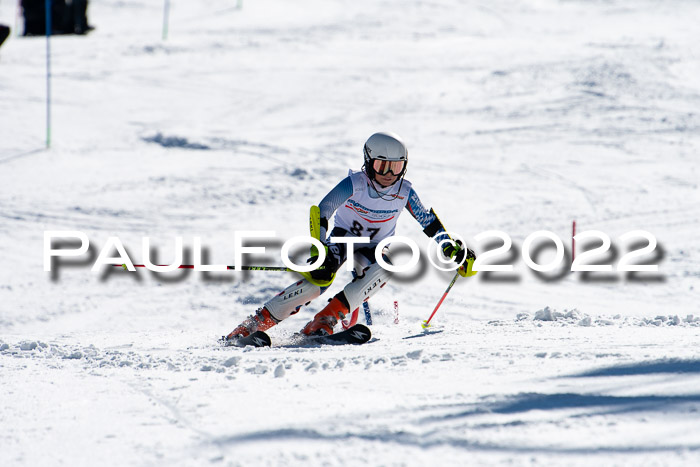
(366, 204)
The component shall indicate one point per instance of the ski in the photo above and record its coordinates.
(257, 339)
(357, 334)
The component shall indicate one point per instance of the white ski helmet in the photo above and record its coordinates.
(385, 152)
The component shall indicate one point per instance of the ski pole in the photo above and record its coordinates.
(240, 268)
(426, 323)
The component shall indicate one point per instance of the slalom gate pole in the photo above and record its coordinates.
(18, 15)
(47, 6)
(426, 323)
(166, 18)
(230, 268)
(368, 313)
(573, 241)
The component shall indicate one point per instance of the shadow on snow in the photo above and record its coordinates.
(646, 368)
(431, 433)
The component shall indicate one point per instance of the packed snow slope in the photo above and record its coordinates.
(518, 116)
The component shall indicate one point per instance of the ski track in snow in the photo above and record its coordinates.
(518, 117)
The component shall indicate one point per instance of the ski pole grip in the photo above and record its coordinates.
(315, 226)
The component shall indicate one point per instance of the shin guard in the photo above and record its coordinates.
(373, 278)
(291, 299)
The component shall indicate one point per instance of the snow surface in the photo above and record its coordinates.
(519, 116)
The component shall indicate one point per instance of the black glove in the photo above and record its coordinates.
(325, 272)
(458, 253)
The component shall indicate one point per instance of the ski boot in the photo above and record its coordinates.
(262, 320)
(323, 322)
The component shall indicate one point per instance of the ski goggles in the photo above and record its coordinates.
(384, 167)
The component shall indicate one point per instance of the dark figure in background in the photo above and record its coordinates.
(80, 21)
(34, 12)
(4, 33)
(67, 17)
